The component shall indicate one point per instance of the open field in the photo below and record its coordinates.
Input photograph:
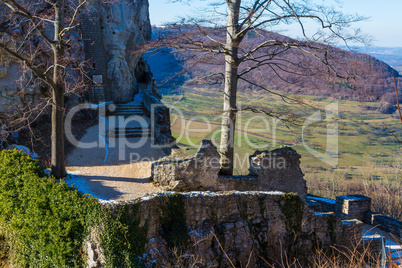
(363, 139)
(369, 157)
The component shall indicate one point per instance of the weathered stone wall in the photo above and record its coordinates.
(112, 32)
(269, 171)
(326, 204)
(385, 223)
(181, 172)
(248, 225)
(279, 170)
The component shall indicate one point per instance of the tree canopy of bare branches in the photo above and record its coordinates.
(209, 38)
(40, 35)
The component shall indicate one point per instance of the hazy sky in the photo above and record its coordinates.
(385, 24)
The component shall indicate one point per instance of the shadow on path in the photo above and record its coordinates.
(113, 168)
(112, 188)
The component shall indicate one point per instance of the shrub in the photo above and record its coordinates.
(44, 221)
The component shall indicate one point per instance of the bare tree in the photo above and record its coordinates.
(39, 35)
(245, 18)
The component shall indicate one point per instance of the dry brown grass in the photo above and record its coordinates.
(360, 255)
(4, 253)
(386, 194)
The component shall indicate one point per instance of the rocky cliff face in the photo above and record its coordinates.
(125, 27)
(8, 84)
(112, 33)
(11, 79)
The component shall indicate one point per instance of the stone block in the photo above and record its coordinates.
(352, 206)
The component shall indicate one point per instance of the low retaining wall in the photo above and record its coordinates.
(248, 225)
(385, 223)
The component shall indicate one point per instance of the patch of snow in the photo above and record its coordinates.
(103, 121)
(21, 148)
(138, 98)
(15, 135)
(322, 199)
(80, 184)
(371, 237)
(395, 247)
(104, 202)
(349, 222)
(33, 155)
(390, 244)
(146, 197)
(96, 106)
(353, 197)
(77, 172)
(318, 214)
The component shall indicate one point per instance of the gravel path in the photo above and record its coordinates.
(115, 169)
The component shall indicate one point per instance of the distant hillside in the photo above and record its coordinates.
(368, 78)
(390, 55)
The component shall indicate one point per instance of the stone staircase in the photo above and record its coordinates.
(127, 110)
(130, 132)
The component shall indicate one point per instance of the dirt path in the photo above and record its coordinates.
(114, 169)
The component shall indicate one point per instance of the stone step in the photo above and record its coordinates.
(129, 106)
(131, 135)
(128, 113)
(128, 109)
(131, 130)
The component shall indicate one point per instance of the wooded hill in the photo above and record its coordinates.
(338, 73)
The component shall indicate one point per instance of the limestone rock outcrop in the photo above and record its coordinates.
(126, 26)
(11, 79)
(8, 85)
(113, 33)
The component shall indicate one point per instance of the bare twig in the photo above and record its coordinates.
(390, 131)
(231, 263)
(397, 96)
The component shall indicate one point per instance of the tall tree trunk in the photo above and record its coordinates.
(58, 157)
(229, 98)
